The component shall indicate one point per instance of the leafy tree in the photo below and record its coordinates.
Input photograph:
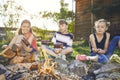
(63, 14)
(43, 34)
(10, 13)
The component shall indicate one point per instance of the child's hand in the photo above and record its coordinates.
(101, 51)
(57, 50)
(95, 50)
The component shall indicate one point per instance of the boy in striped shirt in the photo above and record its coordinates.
(62, 42)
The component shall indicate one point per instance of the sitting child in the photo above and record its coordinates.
(62, 41)
(98, 42)
(24, 41)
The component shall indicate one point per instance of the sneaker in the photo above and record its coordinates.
(81, 57)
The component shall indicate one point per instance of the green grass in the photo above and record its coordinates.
(79, 47)
(83, 48)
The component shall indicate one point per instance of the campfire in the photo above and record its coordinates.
(21, 67)
(46, 72)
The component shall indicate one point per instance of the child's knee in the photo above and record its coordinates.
(103, 59)
(117, 37)
(70, 49)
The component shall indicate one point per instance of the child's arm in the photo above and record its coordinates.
(93, 44)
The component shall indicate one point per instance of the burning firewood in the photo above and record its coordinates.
(48, 68)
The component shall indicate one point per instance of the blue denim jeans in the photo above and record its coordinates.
(102, 58)
(112, 46)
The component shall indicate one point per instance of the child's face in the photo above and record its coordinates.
(101, 28)
(63, 27)
(25, 28)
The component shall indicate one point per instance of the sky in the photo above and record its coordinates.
(33, 7)
(36, 6)
(42, 5)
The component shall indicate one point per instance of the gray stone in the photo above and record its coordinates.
(115, 75)
(104, 79)
(61, 65)
(103, 75)
(110, 67)
(77, 67)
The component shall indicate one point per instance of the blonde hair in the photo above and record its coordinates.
(102, 20)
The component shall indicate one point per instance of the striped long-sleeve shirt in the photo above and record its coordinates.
(65, 39)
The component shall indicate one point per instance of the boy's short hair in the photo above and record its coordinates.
(62, 21)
